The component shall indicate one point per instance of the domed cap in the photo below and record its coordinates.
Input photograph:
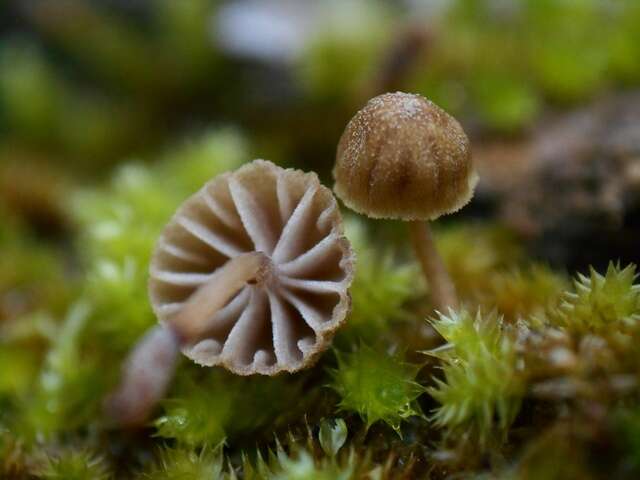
(285, 318)
(404, 157)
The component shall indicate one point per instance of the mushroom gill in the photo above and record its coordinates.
(285, 316)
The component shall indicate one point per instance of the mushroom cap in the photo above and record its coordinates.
(284, 321)
(403, 157)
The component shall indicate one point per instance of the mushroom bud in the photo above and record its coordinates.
(402, 157)
(251, 273)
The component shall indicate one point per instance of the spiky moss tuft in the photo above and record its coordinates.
(302, 466)
(324, 458)
(481, 389)
(377, 386)
(79, 464)
(294, 458)
(183, 463)
(601, 302)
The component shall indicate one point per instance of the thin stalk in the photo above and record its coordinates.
(443, 292)
(189, 322)
(150, 366)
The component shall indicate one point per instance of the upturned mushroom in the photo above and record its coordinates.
(251, 273)
(403, 157)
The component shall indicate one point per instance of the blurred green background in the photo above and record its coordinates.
(88, 85)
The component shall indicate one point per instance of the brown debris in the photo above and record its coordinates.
(573, 188)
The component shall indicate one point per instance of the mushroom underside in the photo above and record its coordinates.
(283, 321)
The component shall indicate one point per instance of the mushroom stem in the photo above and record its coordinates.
(148, 370)
(443, 291)
(216, 293)
(146, 375)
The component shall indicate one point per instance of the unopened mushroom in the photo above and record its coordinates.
(251, 273)
(402, 157)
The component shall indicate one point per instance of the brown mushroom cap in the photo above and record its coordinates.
(403, 157)
(286, 318)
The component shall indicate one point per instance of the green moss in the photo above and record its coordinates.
(74, 465)
(33, 274)
(115, 290)
(69, 388)
(381, 289)
(124, 219)
(377, 385)
(301, 466)
(18, 369)
(301, 458)
(601, 302)
(120, 225)
(481, 388)
(197, 417)
(182, 463)
(209, 406)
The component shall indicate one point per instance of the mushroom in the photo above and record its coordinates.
(403, 157)
(251, 273)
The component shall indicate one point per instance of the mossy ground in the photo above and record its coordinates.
(528, 362)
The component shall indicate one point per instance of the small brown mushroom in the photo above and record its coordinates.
(274, 239)
(402, 157)
(251, 273)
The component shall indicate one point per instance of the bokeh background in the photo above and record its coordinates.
(88, 85)
(113, 111)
